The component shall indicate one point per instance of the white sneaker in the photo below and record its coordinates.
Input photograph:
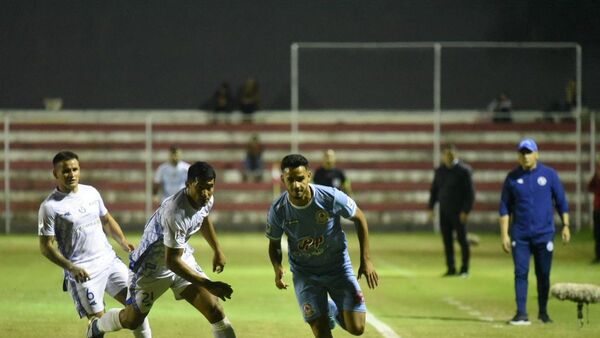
(519, 320)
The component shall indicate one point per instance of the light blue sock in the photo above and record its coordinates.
(333, 313)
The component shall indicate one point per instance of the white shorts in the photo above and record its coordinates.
(89, 296)
(150, 281)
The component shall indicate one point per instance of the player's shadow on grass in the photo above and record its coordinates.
(454, 319)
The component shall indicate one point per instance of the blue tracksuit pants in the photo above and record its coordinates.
(541, 249)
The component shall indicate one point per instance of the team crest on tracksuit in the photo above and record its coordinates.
(542, 181)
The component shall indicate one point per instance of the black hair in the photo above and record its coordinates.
(294, 161)
(64, 155)
(450, 146)
(174, 148)
(202, 171)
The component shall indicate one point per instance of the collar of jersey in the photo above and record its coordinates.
(307, 204)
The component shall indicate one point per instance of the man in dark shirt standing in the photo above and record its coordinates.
(453, 188)
(331, 176)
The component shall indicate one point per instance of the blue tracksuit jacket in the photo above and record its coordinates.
(531, 197)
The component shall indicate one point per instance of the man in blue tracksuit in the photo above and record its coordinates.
(530, 194)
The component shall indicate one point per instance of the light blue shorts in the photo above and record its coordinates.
(343, 288)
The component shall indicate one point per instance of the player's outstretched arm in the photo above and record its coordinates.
(113, 228)
(276, 257)
(176, 264)
(366, 267)
(51, 252)
(210, 235)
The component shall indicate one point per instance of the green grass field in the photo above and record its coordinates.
(412, 298)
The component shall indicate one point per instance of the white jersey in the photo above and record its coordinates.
(74, 220)
(171, 178)
(171, 225)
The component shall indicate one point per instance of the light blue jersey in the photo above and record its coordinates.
(316, 244)
(318, 250)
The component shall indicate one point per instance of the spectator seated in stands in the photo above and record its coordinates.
(249, 99)
(501, 107)
(222, 103)
(253, 163)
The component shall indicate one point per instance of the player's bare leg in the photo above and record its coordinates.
(354, 322)
(141, 331)
(320, 327)
(131, 318)
(211, 309)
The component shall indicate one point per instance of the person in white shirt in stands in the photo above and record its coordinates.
(74, 216)
(170, 176)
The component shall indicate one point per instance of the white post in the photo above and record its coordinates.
(437, 118)
(148, 165)
(7, 211)
(592, 164)
(579, 181)
(294, 94)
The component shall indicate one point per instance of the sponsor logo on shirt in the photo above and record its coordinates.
(520, 181)
(291, 221)
(311, 246)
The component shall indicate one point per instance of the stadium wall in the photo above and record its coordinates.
(151, 54)
(387, 155)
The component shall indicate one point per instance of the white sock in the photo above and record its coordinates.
(110, 321)
(143, 331)
(223, 329)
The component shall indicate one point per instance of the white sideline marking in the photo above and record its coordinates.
(466, 308)
(381, 327)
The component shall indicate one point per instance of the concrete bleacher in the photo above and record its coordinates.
(387, 155)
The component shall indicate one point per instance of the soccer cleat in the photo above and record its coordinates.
(520, 320)
(544, 318)
(332, 313)
(93, 331)
(449, 273)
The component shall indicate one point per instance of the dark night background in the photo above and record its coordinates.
(173, 54)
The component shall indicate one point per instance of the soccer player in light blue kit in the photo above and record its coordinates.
(530, 194)
(74, 216)
(164, 260)
(318, 252)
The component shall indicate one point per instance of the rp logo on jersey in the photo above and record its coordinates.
(311, 245)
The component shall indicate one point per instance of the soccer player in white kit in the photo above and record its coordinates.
(170, 176)
(164, 260)
(74, 216)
